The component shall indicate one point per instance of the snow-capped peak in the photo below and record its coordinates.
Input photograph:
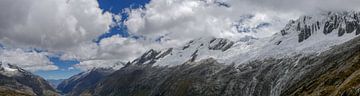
(6, 67)
(306, 35)
(316, 33)
(332, 22)
(8, 70)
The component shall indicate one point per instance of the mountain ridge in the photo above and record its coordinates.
(282, 65)
(17, 81)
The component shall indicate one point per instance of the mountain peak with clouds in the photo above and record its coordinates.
(58, 39)
(276, 68)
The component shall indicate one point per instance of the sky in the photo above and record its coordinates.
(59, 38)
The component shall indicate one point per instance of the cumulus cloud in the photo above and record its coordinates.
(109, 53)
(115, 47)
(183, 20)
(31, 61)
(88, 65)
(51, 24)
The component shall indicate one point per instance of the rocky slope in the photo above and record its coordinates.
(312, 56)
(84, 80)
(15, 81)
(54, 82)
(334, 72)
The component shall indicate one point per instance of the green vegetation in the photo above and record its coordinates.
(12, 93)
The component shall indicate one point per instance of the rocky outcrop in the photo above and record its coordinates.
(76, 84)
(149, 57)
(220, 44)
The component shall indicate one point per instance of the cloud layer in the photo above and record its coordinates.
(91, 64)
(32, 61)
(51, 24)
(183, 20)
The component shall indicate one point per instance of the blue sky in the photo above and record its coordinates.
(116, 7)
(64, 69)
(113, 6)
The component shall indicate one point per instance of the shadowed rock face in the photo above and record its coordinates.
(81, 81)
(24, 83)
(220, 44)
(334, 72)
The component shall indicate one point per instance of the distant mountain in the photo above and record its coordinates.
(15, 81)
(55, 82)
(82, 81)
(312, 56)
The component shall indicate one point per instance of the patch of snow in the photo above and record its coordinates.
(7, 71)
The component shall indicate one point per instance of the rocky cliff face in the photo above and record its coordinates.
(84, 80)
(311, 56)
(15, 81)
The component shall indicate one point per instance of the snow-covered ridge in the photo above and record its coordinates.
(306, 35)
(192, 51)
(338, 22)
(318, 33)
(8, 70)
(12, 70)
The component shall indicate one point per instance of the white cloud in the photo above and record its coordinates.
(51, 24)
(189, 19)
(54, 25)
(183, 20)
(90, 64)
(109, 52)
(31, 61)
(84, 51)
(115, 47)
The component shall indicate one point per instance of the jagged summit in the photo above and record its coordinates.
(339, 23)
(316, 33)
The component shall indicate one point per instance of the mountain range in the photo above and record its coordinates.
(316, 55)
